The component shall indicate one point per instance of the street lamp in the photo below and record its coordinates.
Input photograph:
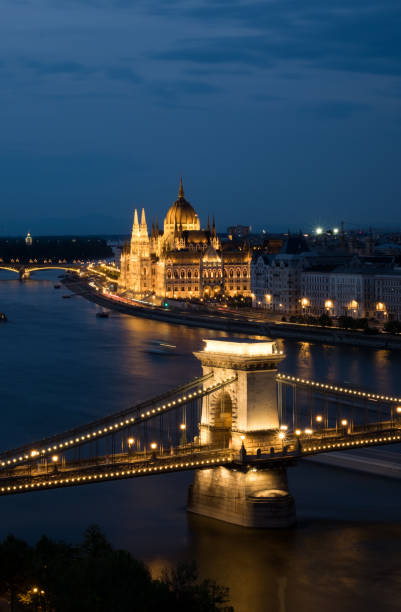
(344, 422)
(319, 418)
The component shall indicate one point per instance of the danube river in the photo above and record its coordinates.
(62, 366)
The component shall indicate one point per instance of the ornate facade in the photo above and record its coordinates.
(182, 260)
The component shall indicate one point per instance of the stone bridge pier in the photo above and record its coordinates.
(243, 416)
(23, 273)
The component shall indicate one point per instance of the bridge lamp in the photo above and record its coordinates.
(34, 453)
(283, 427)
(130, 441)
(398, 409)
(319, 418)
(153, 446)
(55, 458)
(183, 426)
(242, 438)
(309, 431)
(344, 422)
(281, 435)
(298, 432)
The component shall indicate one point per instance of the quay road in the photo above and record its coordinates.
(233, 321)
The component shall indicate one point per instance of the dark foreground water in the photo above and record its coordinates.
(61, 366)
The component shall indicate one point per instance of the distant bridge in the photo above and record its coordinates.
(227, 425)
(24, 269)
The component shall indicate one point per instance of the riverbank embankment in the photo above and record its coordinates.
(232, 324)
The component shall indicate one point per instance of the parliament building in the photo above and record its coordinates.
(182, 261)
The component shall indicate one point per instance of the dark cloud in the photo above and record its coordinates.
(175, 90)
(120, 73)
(334, 109)
(61, 67)
(350, 36)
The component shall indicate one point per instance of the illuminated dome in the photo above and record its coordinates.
(181, 214)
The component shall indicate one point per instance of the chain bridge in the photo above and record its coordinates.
(238, 427)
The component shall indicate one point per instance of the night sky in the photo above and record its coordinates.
(277, 113)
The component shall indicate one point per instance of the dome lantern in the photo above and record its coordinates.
(181, 214)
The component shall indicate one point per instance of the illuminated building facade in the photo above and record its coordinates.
(182, 261)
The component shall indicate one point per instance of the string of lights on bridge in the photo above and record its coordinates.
(338, 445)
(114, 475)
(144, 416)
(326, 387)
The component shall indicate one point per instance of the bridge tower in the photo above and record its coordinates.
(242, 416)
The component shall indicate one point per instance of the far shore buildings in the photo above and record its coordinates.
(182, 260)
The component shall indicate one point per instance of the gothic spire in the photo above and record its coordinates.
(214, 227)
(181, 189)
(143, 218)
(208, 224)
(136, 217)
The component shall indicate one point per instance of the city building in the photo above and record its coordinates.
(28, 239)
(183, 261)
(238, 231)
(276, 279)
(359, 289)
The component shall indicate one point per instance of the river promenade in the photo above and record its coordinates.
(236, 323)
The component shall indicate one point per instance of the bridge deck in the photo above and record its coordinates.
(40, 476)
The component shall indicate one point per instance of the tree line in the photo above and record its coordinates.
(54, 576)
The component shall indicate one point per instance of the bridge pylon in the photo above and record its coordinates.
(23, 273)
(242, 416)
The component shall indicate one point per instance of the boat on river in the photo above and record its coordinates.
(159, 347)
(102, 314)
(3, 317)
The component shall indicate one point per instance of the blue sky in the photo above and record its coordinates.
(278, 113)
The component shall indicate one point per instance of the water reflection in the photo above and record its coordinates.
(319, 566)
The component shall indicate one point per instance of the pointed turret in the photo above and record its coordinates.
(208, 224)
(135, 226)
(214, 228)
(143, 218)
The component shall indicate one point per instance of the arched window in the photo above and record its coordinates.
(238, 273)
(189, 274)
(196, 273)
(182, 273)
(168, 273)
(175, 273)
(231, 273)
(144, 271)
(223, 411)
(245, 273)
